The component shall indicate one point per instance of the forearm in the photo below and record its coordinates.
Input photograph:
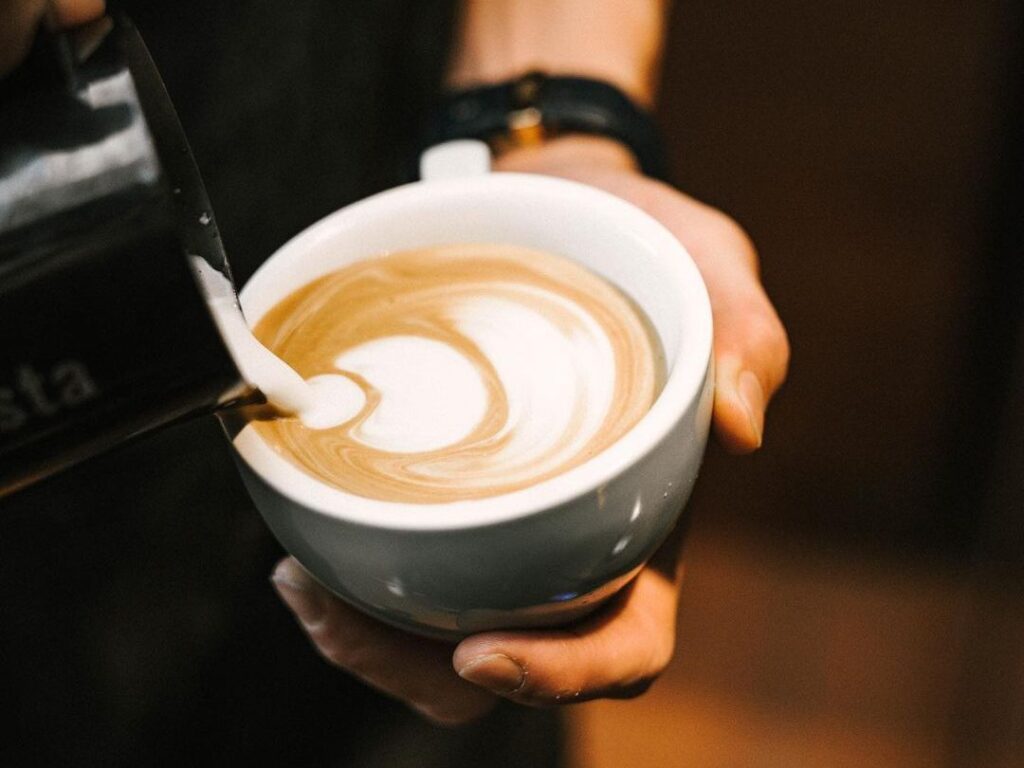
(618, 41)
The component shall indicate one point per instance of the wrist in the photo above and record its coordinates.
(533, 111)
(633, 80)
(561, 155)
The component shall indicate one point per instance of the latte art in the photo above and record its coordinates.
(475, 370)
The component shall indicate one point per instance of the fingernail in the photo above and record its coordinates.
(298, 592)
(752, 397)
(495, 671)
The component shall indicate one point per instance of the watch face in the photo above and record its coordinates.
(526, 128)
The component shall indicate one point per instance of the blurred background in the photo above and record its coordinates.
(855, 591)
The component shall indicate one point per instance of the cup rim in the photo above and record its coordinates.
(681, 390)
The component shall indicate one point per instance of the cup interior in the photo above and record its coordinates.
(605, 234)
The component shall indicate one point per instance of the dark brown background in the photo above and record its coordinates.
(859, 144)
(856, 590)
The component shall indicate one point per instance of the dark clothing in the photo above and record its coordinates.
(137, 623)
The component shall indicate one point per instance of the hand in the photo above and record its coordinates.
(21, 18)
(621, 649)
(750, 346)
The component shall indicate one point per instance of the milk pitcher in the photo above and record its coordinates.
(110, 258)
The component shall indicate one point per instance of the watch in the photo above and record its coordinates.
(535, 107)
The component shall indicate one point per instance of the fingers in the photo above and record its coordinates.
(751, 358)
(617, 653)
(21, 18)
(71, 13)
(751, 348)
(413, 669)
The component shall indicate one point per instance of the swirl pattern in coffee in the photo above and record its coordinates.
(476, 369)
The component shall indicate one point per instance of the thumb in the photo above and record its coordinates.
(751, 349)
(751, 357)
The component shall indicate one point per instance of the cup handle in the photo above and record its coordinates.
(455, 160)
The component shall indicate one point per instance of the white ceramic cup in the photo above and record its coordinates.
(545, 554)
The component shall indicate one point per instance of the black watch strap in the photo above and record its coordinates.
(524, 111)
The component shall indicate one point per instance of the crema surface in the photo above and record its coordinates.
(477, 369)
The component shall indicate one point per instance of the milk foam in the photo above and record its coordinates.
(321, 403)
(557, 376)
(457, 371)
(430, 395)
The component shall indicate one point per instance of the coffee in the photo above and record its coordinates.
(472, 370)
